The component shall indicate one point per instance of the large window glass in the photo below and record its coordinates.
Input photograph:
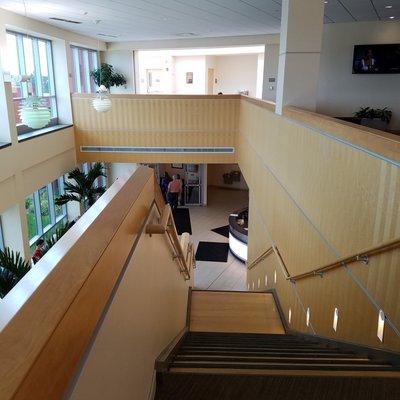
(85, 61)
(31, 57)
(31, 217)
(42, 214)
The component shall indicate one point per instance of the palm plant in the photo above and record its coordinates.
(59, 233)
(12, 268)
(83, 190)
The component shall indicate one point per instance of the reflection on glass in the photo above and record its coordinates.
(44, 206)
(31, 217)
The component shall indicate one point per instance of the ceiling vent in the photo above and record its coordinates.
(107, 35)
(186, 34)
(70, 21)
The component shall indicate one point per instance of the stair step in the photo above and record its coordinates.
(264, 348)
(270, 353)
(311, 360)
(281, 365)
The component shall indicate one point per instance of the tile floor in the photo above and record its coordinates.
(230, 275)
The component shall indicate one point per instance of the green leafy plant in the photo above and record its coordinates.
(12, 268)
(34, 102)
(83, 190)
(59, 233)
(367, 112)
(106, 75)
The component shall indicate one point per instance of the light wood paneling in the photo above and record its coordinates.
(318, 199)
(55, 307)
(148, 121)
(234, 312)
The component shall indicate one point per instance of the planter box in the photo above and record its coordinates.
(375, 123)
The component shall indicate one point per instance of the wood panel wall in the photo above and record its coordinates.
(318, 198)
(157, 120)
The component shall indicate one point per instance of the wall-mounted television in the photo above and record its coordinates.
(376, 59)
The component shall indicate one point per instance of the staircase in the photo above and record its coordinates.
(229, 365)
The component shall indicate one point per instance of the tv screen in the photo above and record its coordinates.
(376, 59)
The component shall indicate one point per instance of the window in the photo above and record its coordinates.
(85, 61)
(42, 214)
(31, 56)
(1, 237)
(101, 180)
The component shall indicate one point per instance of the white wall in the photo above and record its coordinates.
(235, 73)
(184, 64)
(340, 92)
(271, 57)
(122, 61)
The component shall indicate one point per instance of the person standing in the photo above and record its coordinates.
(39, 251)
(174, 191)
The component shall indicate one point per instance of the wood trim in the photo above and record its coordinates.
(55, 322)
(161, 96)
(268, 105)
(379, 142)
(387, 246)
(164, 359)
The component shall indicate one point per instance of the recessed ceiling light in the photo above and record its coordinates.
(391, 17)
(325, 2)
(388, 6)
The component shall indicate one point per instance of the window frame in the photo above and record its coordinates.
(2, 244)
(52, 98)
(54, 219)
(83, 59)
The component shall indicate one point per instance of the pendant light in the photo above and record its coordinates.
(33, 114)
(101, 103)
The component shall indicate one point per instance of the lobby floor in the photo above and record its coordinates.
(230, 275)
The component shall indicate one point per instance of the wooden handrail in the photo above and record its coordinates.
(362, 256)
(260, 258)
(182, 247)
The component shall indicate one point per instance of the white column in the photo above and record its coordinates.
(271, 59)
(15, 231)
(299, 53)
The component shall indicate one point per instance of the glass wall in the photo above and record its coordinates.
(43, 215)
(84, 61)
(30, 58)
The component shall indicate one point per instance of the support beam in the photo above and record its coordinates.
(299, 53)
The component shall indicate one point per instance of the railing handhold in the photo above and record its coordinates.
(363, 258)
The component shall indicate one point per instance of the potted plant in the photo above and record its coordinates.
(106, 75)
(12, 268)
(83, 190)
(34, 114)
(378, 118)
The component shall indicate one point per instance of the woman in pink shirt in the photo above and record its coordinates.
(174, 191)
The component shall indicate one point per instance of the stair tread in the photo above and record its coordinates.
(277, 365)
(283, 359)
(271, 353)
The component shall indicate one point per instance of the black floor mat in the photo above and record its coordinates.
(182, 220)
(222, 230)
(212, 251)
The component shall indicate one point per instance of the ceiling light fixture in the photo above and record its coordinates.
(388, 6)
(392, 17)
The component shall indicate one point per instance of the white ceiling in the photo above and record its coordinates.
(171, 19)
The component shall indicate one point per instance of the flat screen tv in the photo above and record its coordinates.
(376, 59)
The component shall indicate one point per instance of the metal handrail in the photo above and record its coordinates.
(362, 256)
(166, 225)
(261, 257)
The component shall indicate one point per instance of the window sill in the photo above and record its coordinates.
(40, 132)
(4, 145)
